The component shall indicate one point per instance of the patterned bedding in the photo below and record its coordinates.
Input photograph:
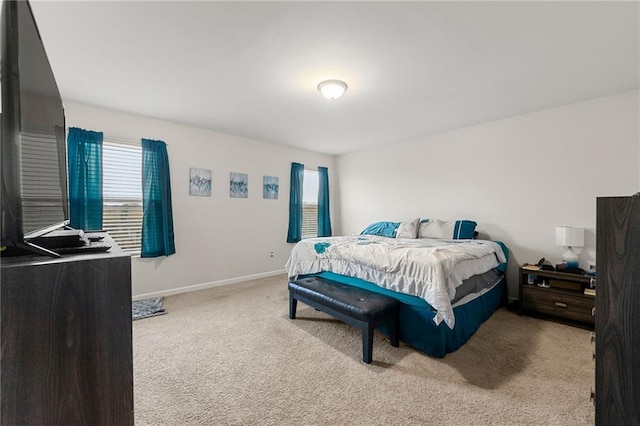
(427, 268)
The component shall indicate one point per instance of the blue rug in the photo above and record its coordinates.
(147, 308)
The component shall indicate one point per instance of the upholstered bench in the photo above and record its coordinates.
(355, 306)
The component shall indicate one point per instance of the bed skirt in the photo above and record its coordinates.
(417, 328)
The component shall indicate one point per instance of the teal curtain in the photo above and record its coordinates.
(84, 165)
(324, 217)
(295, 203)
(157, 216)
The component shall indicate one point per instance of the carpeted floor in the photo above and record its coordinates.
(230, 355)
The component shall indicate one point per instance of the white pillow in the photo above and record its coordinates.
(436, 228)
(456, 229)
(408, 229)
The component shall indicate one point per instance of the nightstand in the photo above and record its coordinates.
(562, 298)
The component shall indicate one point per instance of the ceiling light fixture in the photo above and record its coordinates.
(332, 89)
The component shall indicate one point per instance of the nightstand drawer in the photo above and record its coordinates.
(558, 303)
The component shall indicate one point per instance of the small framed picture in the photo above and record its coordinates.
(239, 185)
(200, 182)
(270, 187)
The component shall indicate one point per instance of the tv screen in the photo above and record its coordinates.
(33, 149)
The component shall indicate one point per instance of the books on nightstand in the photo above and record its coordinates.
(528, 267)
(590, 291)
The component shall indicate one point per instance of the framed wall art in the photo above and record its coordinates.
(200, 182)
(239, 185)
(270, 187)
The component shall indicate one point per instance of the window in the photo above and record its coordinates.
(122, 193)
(310, 204)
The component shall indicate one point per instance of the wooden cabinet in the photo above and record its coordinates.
(617, 317)
(561, 299)
(66, 340)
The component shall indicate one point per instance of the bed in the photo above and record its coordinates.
(447, 286)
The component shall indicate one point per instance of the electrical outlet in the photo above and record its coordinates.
(271, 255)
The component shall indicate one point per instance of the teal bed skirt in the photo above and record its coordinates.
(417, 328)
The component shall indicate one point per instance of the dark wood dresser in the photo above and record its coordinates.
(617, 318)
(66, 340)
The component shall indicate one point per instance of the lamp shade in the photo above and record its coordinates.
(569, 236)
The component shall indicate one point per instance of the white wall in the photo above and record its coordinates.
(218, 239)
(518, 177)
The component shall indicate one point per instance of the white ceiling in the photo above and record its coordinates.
(413, 68)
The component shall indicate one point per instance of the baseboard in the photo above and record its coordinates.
(204, 286)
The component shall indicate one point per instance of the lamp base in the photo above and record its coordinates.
(570, 259)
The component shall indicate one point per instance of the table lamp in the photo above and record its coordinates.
(570, 237)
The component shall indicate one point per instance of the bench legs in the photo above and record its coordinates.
(293, 304)
(393, 331)
(367, 343)
(367, 338)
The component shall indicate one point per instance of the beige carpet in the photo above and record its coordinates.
(230, 355)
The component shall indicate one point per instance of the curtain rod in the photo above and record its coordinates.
(123, 140)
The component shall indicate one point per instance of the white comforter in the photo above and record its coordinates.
(430, 269)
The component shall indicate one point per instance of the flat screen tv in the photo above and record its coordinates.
(32, 147)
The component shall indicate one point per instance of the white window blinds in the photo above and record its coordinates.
(310, 204)
(122, 192)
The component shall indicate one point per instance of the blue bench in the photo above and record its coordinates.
(352, 305)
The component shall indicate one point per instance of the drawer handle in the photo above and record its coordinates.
(593, 337)
(561, 305)
(592, 397)
(593, 312)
